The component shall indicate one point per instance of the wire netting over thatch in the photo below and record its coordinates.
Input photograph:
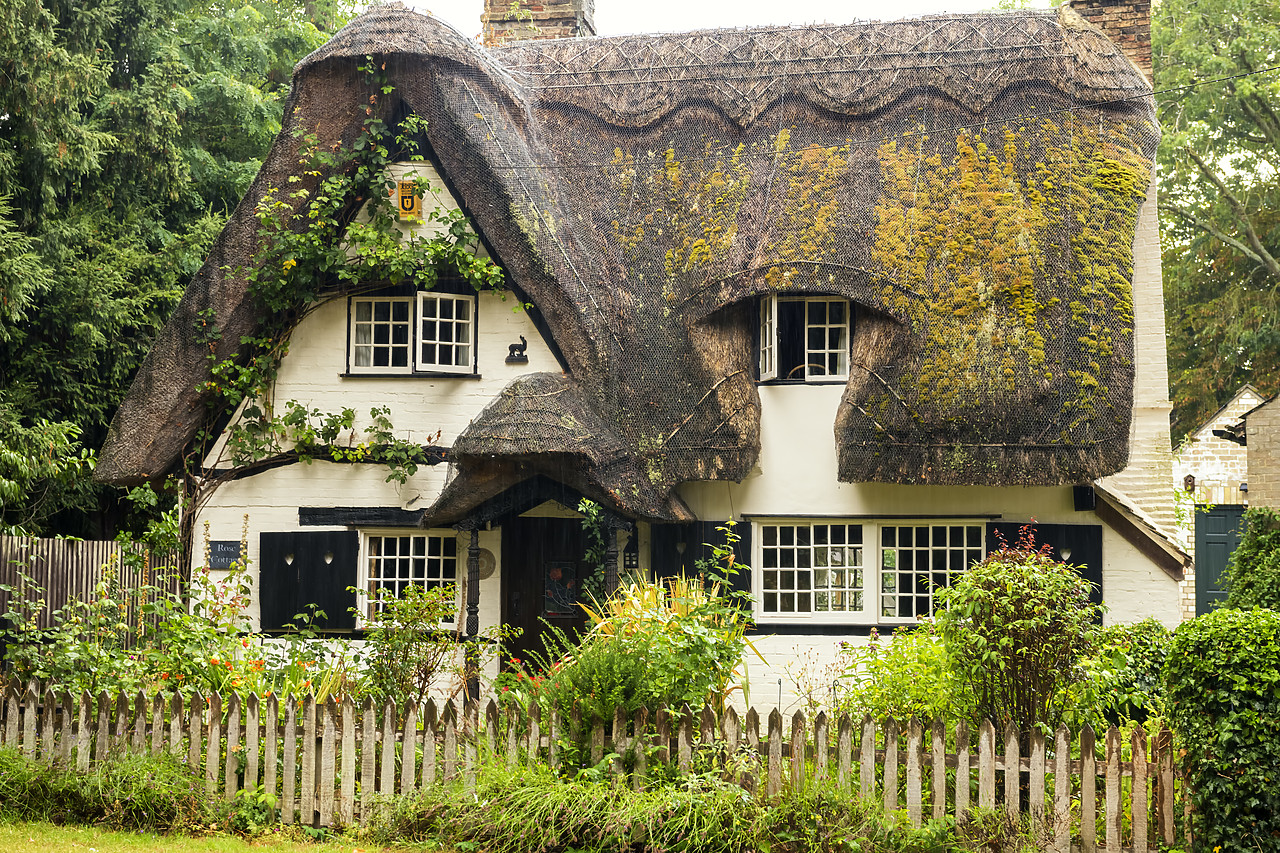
(972, 183)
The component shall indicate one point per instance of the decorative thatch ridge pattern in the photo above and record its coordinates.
(971, 182)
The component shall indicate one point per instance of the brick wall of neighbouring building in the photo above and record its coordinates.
(1219, 466)
(1263, 430)
(525, 20)
(1126, 22)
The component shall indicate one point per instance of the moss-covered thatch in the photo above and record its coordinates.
(971, 182)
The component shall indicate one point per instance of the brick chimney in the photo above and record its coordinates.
(1125, 22)
(524, 20)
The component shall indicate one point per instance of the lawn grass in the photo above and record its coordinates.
(41, 837)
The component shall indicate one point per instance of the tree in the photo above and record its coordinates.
(128, 132)
(1219, 193)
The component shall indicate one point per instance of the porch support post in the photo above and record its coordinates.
(472, 630)
(613, 524)
(610, 560)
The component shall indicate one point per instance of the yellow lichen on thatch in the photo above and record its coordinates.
(985, 237)
(804, 227)
(691, 208)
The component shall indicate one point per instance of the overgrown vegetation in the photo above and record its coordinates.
(128, 132)
(151, 638)
(333, 230)
(128, 791)
(1253, 571)
(1224, 701)
(531, 809)
(908, 675)
(1019, 644)
(415, 642)
(1219, 193)
(653, 644)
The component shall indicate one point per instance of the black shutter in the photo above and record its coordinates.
(667, 561)
(302, 568)
(665, 544)
(1083, 542)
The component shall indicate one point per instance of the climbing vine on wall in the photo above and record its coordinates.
(333, 234)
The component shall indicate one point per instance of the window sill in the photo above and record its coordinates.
(828, 629)
(832, 381)
(421, 374)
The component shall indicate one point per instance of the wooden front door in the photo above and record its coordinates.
(542, 572)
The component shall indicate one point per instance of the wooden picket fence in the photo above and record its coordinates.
(334, 764)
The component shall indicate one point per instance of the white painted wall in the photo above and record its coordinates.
(421, 406)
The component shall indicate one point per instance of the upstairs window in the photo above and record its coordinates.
(427, 332)
(804, 338)
(447, 326)
(380, 334)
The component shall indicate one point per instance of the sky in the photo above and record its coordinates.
(620, 17)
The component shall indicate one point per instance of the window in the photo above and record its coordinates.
(811, 569)
(430, 332)
(804, 338)
(447, 322)
(836, 571)
(380, 334)
(918, 559)
(396, 561)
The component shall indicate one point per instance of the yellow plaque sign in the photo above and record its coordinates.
(408, 202)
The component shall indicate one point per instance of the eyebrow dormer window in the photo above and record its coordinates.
(804, 338)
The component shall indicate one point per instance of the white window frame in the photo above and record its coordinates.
(427, 563)
(427, 335)
(770, 347)
(360, 328)
(800, 563)
(439, 334)
(881, 584)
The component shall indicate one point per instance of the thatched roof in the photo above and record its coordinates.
(972, 182)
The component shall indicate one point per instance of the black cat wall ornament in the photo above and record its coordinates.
(516, 352)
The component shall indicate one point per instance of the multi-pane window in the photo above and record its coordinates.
(916, 560)
(395, 562)
(446, 332)
(836, 571)
(432, 333)
(380, 334)
(804, 337)
(811, 569)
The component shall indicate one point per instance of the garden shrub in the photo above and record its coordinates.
(652, 644)
(1129, 664)
(411, 642)
(1223, 682)
(1017, 626)
(1253, 572)
(907, 676)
